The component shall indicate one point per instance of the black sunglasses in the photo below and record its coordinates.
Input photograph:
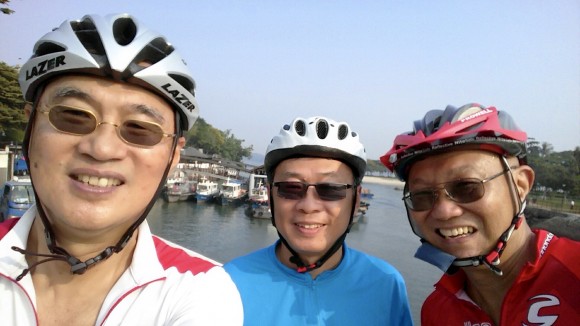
(77, 121)
(461, 191)
(295, 190)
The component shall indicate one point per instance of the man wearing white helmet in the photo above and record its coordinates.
(108, 101)
(310, 276)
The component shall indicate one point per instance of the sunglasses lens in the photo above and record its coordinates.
(291, 190)
(297, 190)
(466, 191)
(72, 121)
(461, 191)
(420, 201)
(331, 192)
(141, 133)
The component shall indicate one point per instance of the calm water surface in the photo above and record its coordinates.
(223, 233)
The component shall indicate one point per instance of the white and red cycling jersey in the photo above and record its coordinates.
(546, 291)
(165, 285)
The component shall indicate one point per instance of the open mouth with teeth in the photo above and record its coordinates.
(456, 232)
(309, 226)
(98, 181)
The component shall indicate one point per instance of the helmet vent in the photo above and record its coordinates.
(322, 128)
(300, 127)
(47, 48)
(88, 35)
(184, 82)
(124, 30)
(155, 51)
(342, 132)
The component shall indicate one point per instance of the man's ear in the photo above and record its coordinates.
(177, 153)
(27, 109)
(524, 178)
(358, 197)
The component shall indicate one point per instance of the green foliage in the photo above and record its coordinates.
(12, 117)
(6, 10)
(376, 166)
(555, 171)
(214, 141)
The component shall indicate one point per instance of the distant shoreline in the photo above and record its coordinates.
(383, 181)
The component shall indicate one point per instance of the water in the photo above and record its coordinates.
(222, 233)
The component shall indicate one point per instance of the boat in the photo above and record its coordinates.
(366, 193)
(361, 211)
(179, 188)
(207, 191)
(232, 193)
(258, 195)
(180, 191)
(259, 211)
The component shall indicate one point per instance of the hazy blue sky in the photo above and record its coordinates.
(378, 65)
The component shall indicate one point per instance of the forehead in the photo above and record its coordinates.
(100, 91)
(448, 163)
(304, 166)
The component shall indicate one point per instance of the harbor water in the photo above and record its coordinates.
(223, 232)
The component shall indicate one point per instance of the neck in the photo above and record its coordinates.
(488, 289)
(284, 255)
(82, 250)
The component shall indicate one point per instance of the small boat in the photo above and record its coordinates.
(207, 191)
(258, 195)
(232, 193)
(362, 210)
(179, 188)
(260, 211)
(179, 191)
(366, 193)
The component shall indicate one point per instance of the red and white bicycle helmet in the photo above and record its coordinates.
(317, 137)
(116, 46)
(473, 123)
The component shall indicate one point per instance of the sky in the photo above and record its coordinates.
(377, 65)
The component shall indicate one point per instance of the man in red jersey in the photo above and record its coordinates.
(466, 182)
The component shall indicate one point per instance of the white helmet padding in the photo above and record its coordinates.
(115, 46)
(317, 137)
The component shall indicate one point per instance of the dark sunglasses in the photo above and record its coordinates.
(76, 121)
(461, 191)
(297, 190)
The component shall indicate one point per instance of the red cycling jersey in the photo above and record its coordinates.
(546, 291)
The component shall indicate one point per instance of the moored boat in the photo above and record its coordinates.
(366, 193)
(207, 191)
(179, 191)
(258, 195)
(232, 193)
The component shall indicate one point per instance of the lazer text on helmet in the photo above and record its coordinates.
(179, 97)
(45, 66)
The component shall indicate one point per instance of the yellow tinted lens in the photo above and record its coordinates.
(141, 133)
(72, 120)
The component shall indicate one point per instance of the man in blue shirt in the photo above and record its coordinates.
(310, 276)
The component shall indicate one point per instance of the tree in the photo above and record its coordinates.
(6, 10)
(547, 149)
(12, 117)
(214, 141)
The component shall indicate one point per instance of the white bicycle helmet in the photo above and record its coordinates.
(317, 137)
(116, 46)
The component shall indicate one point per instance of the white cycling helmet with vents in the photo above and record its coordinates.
(116, 46)
(317, 137)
